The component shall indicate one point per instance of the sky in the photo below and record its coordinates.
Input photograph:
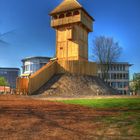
(29, 33)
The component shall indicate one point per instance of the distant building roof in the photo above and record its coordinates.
(35, 57)
(8, 68)
(120, 63)
(68, 5)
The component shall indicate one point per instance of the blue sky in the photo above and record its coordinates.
(33, 36)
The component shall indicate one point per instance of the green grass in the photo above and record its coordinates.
(129, 103)
(127, 120)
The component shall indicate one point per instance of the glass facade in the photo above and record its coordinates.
(10, 74)
(31, 65)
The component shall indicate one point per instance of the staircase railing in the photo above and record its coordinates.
(40, 77)
(28, 85)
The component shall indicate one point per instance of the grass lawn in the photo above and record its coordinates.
(126, 119)
(127, 103)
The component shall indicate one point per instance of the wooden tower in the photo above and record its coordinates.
(72, 24)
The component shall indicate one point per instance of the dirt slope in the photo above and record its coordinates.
(68, 85)
(28, 119)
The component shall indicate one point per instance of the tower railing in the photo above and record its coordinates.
(66, 20)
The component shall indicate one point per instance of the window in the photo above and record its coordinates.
(68, 14)
(125, 84)
(112, 76)
(124, 92)
(121, 67)
(127, 76)
(55, 17)
(111, 67)
(26, 67)
(114, 68)
(120, 91)
(113, 84)
(118, 76)
(121, 76)
(76, 13)
(120, 84)
(115, 76)
(32, 67)
(1, 72)
(117, 67)
(5, 72)
(124, 67)
(124, 76)
(61, 16)
(42, 64)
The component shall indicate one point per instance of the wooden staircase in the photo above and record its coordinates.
(28, 85)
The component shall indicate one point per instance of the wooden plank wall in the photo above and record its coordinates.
(22, 85)
(65, 21)
(39, 78)
(66, 48)
(77, 67)
(87, 21)
(74, 48)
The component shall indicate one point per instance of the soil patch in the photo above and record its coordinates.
(23, 119)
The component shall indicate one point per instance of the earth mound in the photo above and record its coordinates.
(68, 85)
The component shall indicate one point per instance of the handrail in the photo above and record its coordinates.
(40, 77)
(41, 69)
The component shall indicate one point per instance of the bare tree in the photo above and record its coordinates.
(106, 51)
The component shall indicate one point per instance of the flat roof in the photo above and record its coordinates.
(125, 63)
(8, 68)
(35, 57)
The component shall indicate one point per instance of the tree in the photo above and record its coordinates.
(106, 51)
(136, 84)
(3, 81)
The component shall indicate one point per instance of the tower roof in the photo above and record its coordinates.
(68, 5)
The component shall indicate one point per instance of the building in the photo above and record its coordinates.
(72, 24)
(32, 64)
(118, 76)
(10, 74)
(4, 89)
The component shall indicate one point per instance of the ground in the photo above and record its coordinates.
(70, 85)
(23, 118)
